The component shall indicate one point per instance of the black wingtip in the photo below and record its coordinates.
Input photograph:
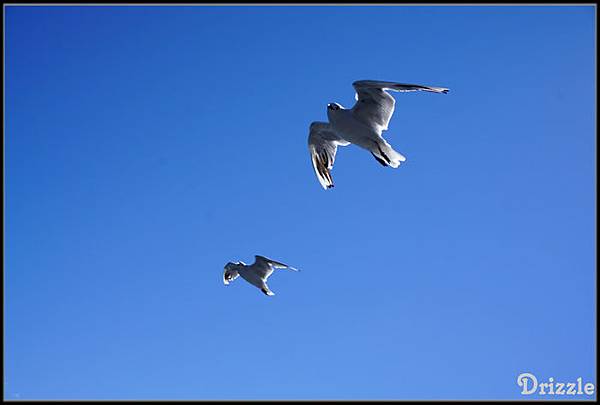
(383, 162)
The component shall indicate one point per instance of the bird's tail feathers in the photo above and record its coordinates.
(266, 291)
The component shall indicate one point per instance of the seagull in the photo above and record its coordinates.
(256, 273)
(361, 125)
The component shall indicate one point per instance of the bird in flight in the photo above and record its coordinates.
(361, 125)
(256, 273)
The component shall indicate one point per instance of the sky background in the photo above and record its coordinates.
(146, 147)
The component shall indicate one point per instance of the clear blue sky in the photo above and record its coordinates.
(146, 147)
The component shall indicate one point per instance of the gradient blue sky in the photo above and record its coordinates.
(145, 147)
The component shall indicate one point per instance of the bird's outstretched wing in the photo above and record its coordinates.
(374, 106)
(272, 263)
(322, 145)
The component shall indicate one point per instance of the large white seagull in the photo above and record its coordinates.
(361, 125)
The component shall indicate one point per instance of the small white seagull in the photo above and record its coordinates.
(361, 125)
(256, 273)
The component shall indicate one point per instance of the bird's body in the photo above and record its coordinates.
(362, 125)
(256, 273)
(352, 130)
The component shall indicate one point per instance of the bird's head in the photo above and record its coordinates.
(333, 107)
(231, 272)
(333, 110)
